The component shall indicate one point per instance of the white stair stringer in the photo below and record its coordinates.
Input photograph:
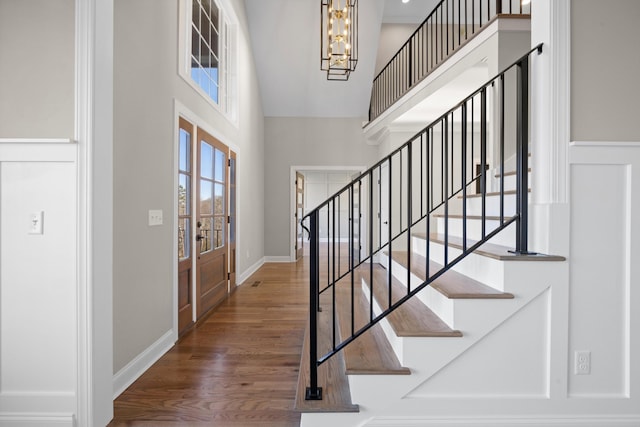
(384, 395)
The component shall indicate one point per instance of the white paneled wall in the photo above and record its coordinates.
(319, 186)
(38, 283)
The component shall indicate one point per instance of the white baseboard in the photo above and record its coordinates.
(277, 259)
(134, 369)
(249, 271)
(593, 421)
(36, 420)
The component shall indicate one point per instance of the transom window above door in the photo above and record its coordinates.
(208, 52)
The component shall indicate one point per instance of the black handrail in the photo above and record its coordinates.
(444, 30)
(438, 163)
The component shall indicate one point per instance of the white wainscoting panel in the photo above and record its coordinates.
(38, 284)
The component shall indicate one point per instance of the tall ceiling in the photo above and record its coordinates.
(285, 36)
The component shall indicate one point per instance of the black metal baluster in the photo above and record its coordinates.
(483, 157)
(352, 256)
(400, 193)
(421, 177)
(464, 176)
(333, 280)
(429, 186)
(389, 231)
(501, 149)
(370, 244)
(445, 190)
(447, 24)
(380, 206)
(409, 211)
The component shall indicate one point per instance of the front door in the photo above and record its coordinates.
(211, 223)
(299, 214)
(185, 226)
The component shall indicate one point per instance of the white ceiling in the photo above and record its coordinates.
(285, 37)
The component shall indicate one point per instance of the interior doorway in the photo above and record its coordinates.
(318, 184)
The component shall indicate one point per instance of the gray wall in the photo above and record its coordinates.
(146, 82)
(604, 98)
(291, 141)
(37, 69)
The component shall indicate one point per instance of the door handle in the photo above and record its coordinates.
(386, 222)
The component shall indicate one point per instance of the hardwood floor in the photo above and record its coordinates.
(238, 367)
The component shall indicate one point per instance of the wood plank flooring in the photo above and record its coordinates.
(238, 367)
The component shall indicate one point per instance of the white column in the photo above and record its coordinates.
(94, 134)
(550, 122)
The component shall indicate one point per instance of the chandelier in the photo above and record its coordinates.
(339, 38)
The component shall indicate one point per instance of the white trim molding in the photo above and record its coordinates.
(519, 421)
(37, 141)
(94, 134)
(37, 420)
(242, 277)
(134, 369)
(277, 259)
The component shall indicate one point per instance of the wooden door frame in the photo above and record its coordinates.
(292, 199)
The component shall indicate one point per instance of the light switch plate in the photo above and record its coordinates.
(155, 217)
(35, 222)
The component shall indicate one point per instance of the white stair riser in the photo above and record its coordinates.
(486, 270)
(474, 230)
(492, 205)
(442, 306)
(509, 182)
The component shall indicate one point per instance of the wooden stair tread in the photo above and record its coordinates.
(473, 217)
(336, 394)
(510, 173)
(489, 250)
(451, 284)
(413, 318)
(490, 194)
(371, 353)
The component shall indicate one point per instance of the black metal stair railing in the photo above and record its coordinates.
(436, 172)
(445, 30)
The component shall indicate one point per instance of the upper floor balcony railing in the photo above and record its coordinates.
(448, 27)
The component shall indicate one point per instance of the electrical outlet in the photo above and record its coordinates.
(583, 363)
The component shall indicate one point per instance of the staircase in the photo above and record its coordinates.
(431, 260)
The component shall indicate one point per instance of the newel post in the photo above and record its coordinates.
(313, 391)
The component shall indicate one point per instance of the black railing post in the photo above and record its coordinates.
(522, 156)
(313, 391)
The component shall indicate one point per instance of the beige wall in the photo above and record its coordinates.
(37, 69)
(304, 142)
(392, 37)
(146, 83)
(604, 70)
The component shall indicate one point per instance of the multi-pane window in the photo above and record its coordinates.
(208, 57)
(212, 197)
(205, 47)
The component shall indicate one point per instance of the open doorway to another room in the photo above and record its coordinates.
(310, 186)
